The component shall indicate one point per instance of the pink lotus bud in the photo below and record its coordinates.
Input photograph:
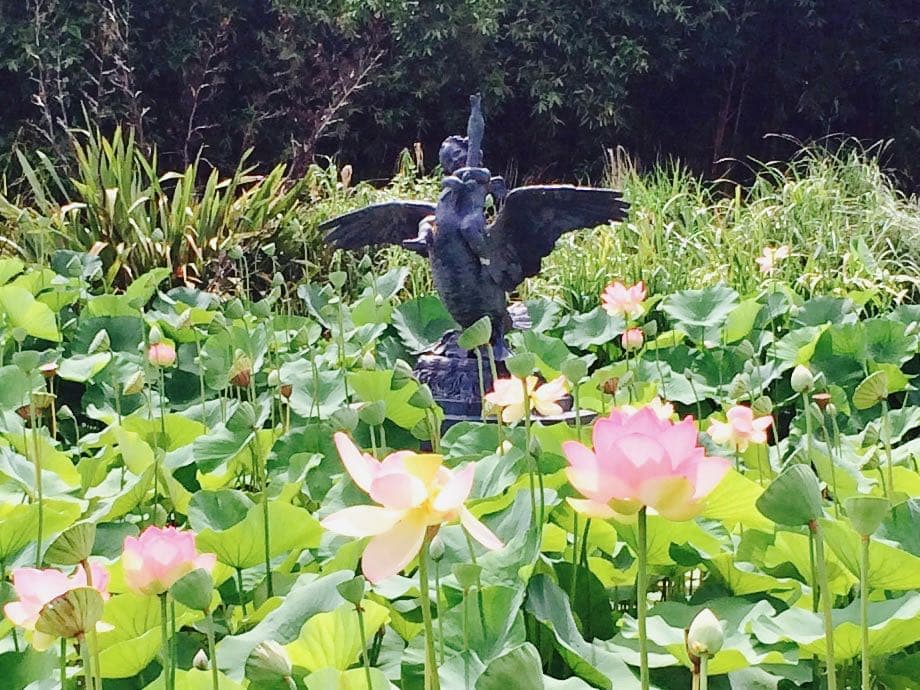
(157, 558)
(161, 355)
(632, 339)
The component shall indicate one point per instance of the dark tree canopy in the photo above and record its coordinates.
(363, 79)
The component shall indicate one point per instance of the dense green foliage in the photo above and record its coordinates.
(231, 436)
(562, 81)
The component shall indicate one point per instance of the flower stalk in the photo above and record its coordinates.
(826, 603)
(432, 680)
(641, 599)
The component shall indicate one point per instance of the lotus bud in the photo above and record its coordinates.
(201, 661)
(134, 384)
(161, 354)
(102, 343)
(368, 361)
(705, 635)
(632, 339)
(156, 335)
(268, 661)
(746, 348)
(274, 378)
(802, 379)
(831, 410)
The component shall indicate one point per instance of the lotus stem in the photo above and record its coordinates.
(534, 467)
(63, 662)
(864, 610)
(886, 437)
(364, 658)
(87, 656)
(437, 594)
(432, 680)
(826, 604)
(164, 642)
(212, 651)
(39, 491)
(482, 385)
(704, 671)
(641, 599)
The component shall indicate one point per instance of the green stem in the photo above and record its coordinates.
(479, 598)
(432, 680)
(39, 490)
(641, 600)
(482, 386)
(809, 432)
(575, 403)
(239, 589)
(534, 467)
(826, 604)
(864, 610)
(173, 642)
(88, 673)
(63, 661)
(574, 577)
(263, 474)
(886, 437)
(212, 652)
(704, 671)
(437, 594)
(164, 641)
(364, 658)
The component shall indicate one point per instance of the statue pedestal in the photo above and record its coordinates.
(454, 382)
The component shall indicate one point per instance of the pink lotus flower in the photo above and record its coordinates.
(416, 493)
(624, 301)
(508, 394)
(157, 558)
(161, 355)
(640, 459)
(770, 257)
(37, 588)
(632, 339)
(741, 429)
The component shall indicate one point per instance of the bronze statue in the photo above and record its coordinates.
(474, 264)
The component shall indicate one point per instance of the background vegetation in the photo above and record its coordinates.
(363, 79)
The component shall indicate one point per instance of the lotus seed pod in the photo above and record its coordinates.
(705, 635)
(802, 379)
(49, 369)
(739, 387)
(762, 405)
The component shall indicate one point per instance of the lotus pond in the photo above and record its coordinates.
(202, 493)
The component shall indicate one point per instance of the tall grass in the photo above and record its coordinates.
(849, 228)
(846, 223)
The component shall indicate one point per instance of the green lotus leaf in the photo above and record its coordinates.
(333, 639)
(889, 567)
(518, 668)
(27, 313)
(373, 386)
(893, 624)
(241, 546)
(134, 640)
(697, 310)
(19, 523)
(872, 390)
(353, 679)
(82, 368)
